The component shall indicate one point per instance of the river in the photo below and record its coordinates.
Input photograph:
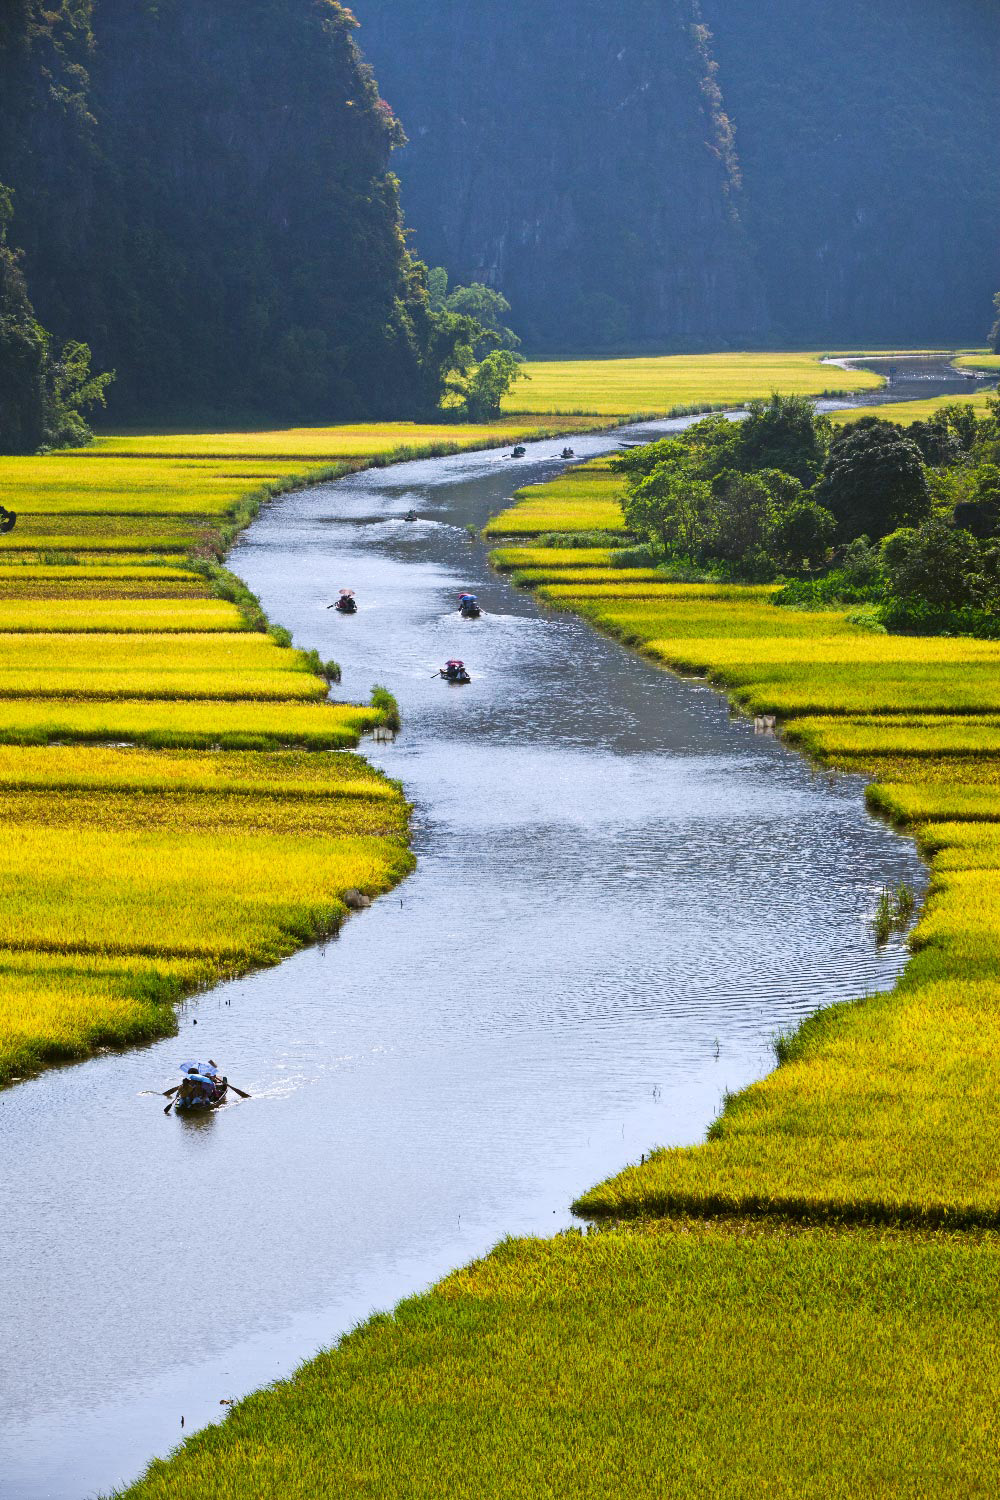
(622, 895)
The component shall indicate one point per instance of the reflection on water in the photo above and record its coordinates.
(622, 895)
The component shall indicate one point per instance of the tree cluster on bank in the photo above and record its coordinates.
(905, 519)
(202, 196)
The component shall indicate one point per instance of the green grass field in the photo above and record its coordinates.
(692, 1361)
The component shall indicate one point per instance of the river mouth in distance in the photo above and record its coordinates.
(622, 895)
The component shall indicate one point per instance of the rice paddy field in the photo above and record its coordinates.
(676, 382)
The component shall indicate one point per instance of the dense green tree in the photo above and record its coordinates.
(802, 535)
(936, 565)
(784, 433)
(669, 507)
(481, 303)
(44, 392)
(490, 382)
(874, 480)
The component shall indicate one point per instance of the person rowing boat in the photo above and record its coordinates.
(346, 604)
(202, 1086)
(454, 671)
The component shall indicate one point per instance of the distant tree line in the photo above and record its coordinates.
(905, 519)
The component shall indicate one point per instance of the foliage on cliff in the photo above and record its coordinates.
(44, 391)
(204, 193)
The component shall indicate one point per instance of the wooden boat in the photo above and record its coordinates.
(189, 1099)
(201, 1087)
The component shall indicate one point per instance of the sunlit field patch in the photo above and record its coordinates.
(660, 384)
(906, 412)
(90, 767)
(191, 724)
(585, 498)
(508, 558)
(128, 615)
(111, 684)
(224, 650)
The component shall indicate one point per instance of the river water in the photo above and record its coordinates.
(622, 895)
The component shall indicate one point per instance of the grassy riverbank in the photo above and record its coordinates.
(684, 1360)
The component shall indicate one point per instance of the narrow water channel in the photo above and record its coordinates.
(622, 895)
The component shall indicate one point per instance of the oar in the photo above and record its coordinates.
(238, 1091)
(168, 1092)
(169, 1107)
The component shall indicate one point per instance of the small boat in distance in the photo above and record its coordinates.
(468, 607)
(519, 451)
(346, 604)
(411, 515)
(454, 671)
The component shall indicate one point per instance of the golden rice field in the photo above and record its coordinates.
(980, 360)
(658, 385)
(906, 412)
(581, 499)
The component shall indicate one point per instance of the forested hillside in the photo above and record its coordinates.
(695, 173)
(202, 192)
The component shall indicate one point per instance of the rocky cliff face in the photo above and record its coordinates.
(704, 172)
(577, 157)
(204, 195)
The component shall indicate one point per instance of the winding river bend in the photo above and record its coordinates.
(622, 895)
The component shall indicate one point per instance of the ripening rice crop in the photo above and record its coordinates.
(692, 1362)
(123, 890)
(883, 1110)
(194, 724)
(59, 768)
(181, 651)
(109, 684)
(126, 615)
(582, 499)
(661, 384)
(333, 445)
(507, 558)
